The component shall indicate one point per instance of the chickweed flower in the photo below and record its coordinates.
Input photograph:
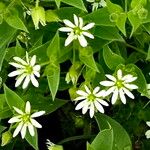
(147, 133)
(77, 31)
(26, 120)
(25, 71)
(97, 3)
(91, 99)
(120, 86)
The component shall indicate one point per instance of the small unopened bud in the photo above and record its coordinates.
(6, 138)
(52, 146)
(142, 13)
(113, 17)
(38, 15)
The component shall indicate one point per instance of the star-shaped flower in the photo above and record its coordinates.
(91, 99)
(120, 86)
(25, 71)
(77, 31)
(25, 120)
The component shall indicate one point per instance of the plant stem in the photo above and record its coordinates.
(73, 138)
(137, 49)
(146, 104)
(37, 3)
(126, 6)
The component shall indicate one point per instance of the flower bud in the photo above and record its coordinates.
(52, 146)
(38, 15)
(6, 138)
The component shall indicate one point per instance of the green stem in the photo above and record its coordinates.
(73, 138)
(146, 104)
(137, 49)
(37, 3)
(126, 6)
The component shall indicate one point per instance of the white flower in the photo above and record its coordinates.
(25, 120)
(147, 133)
(120, 86)
(97, 3)
(77, 31)
(25, 71)
(91, 99)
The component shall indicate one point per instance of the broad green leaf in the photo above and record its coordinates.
(13, 99)
(121, 138)
(14, 21)
(89, 147)
(99, 17)
(32, 140)
(102, 139)
(86, 56)
(51, 16)
(52, 72)
(76, 3)
(54, 48)
(112, 60)
(136, 3)
(108, 33)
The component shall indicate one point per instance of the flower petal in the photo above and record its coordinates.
(26, 82)
(110, 90)
(147, 134)
(91, 110)
(36, 73)
(65, 29)
(14, 119)
(131, 86)
(119, 74)
(69, 39)
(148, 123)
(82, 40)
(37, 114)
(34, 81)
(76, 20)
(35, 123)
(96, 90)
(114, 96)
(80, 23)
(87, 89)
(122, 97)
(102, 93)
(28, 108)
(85, 108)
(88, 35)
(31, 129)
(88, 26)
(20, 79)
(102, 102)
(16, 73)
(16, 65)
(33, 60)
(82, 93)
(17, 130)
(127, 92)
(79, 98)
(107, 83)
(18, 59)
(37, 68)
(23, 131)
(99, 107)
(27, 57)
(68, 23)
(80, 105)
(111, 77)
(18, 110)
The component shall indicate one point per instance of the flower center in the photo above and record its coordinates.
(119, 84)
(91, 97)
(25, 118)
(29, 69)
(77, 31)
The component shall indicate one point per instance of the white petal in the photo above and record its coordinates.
(102, 93)
(20, 79)
(33, 60)
(122, 97)
(87, 89)
(17, 130)
(26, 82)
(16, 65)
(88, 26)
(96, 90)
(88, 35)
(85, 108)
(130, 79)
(111, 77)
(23, 130)
(82, 93)
(76, 20)
(18, 59)
(99, 107)
(119, 74)
(14, 119)
(35, 123)
(80, 105)
(114, 96)
(65, 29)
(34, 81)
(37, 74)
(37, 114)
(127, 92)
(147, 134)
(37, 68)
(102, 102)
(91, 1)
(69, 39)
(80, 98)
(31, 129)
(91, 110)
(68, 23)
(131, 86)
(18, 110)
(110, 90)
(80, 23)
(148, 123)
(15, 73)
(107, 83)
(28, 108)
(82, 40)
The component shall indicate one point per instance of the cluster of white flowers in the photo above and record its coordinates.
(93, 100)
(25, 120)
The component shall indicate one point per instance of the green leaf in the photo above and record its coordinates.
(102, 139)
(136, 3)
(108, 33)
(52, 72)
(111, 59)
(14, 21)
(54, 48)
(76, 3)
(148, 54)
(121, 138)
(89, 147)
(32, 140)
(86, 56)
(99, 17)
(51, 16)
(13, 99)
